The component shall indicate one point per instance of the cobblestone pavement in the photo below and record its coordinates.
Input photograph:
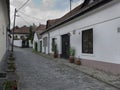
(39, 73)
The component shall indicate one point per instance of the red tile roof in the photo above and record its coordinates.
(22, 30)
(69, 14)
(41, 28)
(86, 6)
(51, 22)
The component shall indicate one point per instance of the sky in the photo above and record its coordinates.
(39, 11)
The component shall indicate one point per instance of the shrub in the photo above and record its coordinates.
(72, 52)
(10, 85)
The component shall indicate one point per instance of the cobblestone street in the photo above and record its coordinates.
(38, 73)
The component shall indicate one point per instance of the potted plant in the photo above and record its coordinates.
(10, 85)
(11, 67)
(11, 57)
(54, 48)
(55, 51)
(77, 61)
(72, 55)
(10, 61)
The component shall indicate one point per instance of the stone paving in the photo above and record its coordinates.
(113, 80)
(39, 73)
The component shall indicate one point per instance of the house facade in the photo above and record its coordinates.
(4, 25)
(21, 35)
(93, 30)
(37, 43)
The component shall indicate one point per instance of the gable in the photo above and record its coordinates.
(35, 37)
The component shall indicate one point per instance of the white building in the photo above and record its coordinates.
(93, 29)
(37, 43)
(4, 24)
(21, 35)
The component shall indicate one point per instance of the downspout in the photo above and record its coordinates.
(48, 42)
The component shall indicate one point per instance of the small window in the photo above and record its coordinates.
(15, 37)
(22, 37)
(87, 41)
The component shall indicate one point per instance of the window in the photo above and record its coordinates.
(87, 41)
(15, 37)
(22, 37)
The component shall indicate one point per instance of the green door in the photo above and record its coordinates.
(40, 46)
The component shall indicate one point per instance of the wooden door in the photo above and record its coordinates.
(65, 45)
(40, 46)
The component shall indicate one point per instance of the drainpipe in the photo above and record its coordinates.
(48, 42)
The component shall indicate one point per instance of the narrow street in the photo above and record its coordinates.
(38, 73)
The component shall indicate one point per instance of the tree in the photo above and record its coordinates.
(31, 35)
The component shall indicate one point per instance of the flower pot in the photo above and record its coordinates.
(11, 85)
(11, 70)
(10, 62)
(55, 55)
(71, 59)
(11, 67)
(77, 61)
(11, 58)
(11, 54)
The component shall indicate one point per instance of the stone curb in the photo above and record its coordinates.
(93, 75)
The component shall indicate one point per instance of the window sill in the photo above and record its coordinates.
(87, 54)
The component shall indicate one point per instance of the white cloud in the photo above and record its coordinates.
(47, 4)
(41, 14)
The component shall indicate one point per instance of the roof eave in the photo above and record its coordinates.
(82, 12)
(21, 33)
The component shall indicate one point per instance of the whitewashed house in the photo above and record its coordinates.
(37, 43)
(93, 29)
(4, 24)
(21, 35)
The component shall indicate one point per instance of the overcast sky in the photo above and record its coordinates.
(38, 11)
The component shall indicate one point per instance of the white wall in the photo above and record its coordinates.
(18, 43)
(45, 49)
(39, 45)
(55, 34)
(106, 39)
(35, 39)
(30, 44)
(3, 25)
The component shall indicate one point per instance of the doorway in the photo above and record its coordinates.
(41, 46)
(65, 45)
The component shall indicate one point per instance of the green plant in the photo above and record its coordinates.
(31, 35)
(11, 54)
(11, 66)
(10, 85)
(55, 49)
(72, 52)
(53, 44)
(11, 58)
